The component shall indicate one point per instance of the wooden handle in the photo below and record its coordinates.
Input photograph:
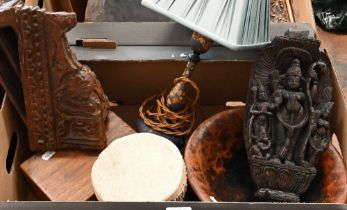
(97, 43)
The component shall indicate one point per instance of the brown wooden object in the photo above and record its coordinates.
(65, 106)
(287, 124)
(97, 43)
(66, 176)
(217, 165)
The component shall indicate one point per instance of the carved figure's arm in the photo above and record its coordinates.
(253, 110)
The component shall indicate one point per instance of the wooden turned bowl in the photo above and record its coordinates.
(217, 165)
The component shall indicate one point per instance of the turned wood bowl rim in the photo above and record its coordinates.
(188, 157)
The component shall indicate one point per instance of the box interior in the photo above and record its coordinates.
(128, 83)
(219, 81)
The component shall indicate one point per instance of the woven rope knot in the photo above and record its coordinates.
(159, 117)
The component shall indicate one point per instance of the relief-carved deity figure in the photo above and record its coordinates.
(292, 114)
(287, 120)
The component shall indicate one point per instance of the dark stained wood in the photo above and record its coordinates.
(217, 164)
(287, 123)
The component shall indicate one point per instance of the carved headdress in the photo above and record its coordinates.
(294, 69)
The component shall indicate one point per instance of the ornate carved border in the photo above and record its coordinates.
(281, 11)
(65, 106)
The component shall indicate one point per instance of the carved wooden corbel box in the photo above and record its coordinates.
(64, 105)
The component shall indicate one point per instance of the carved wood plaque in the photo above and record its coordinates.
(287, 123)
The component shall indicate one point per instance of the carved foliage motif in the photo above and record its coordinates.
(274, 175)
(288, 112)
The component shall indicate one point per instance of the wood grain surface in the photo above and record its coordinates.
(66, 176)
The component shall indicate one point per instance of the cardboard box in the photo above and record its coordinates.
(13, 151)
(128, 75)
